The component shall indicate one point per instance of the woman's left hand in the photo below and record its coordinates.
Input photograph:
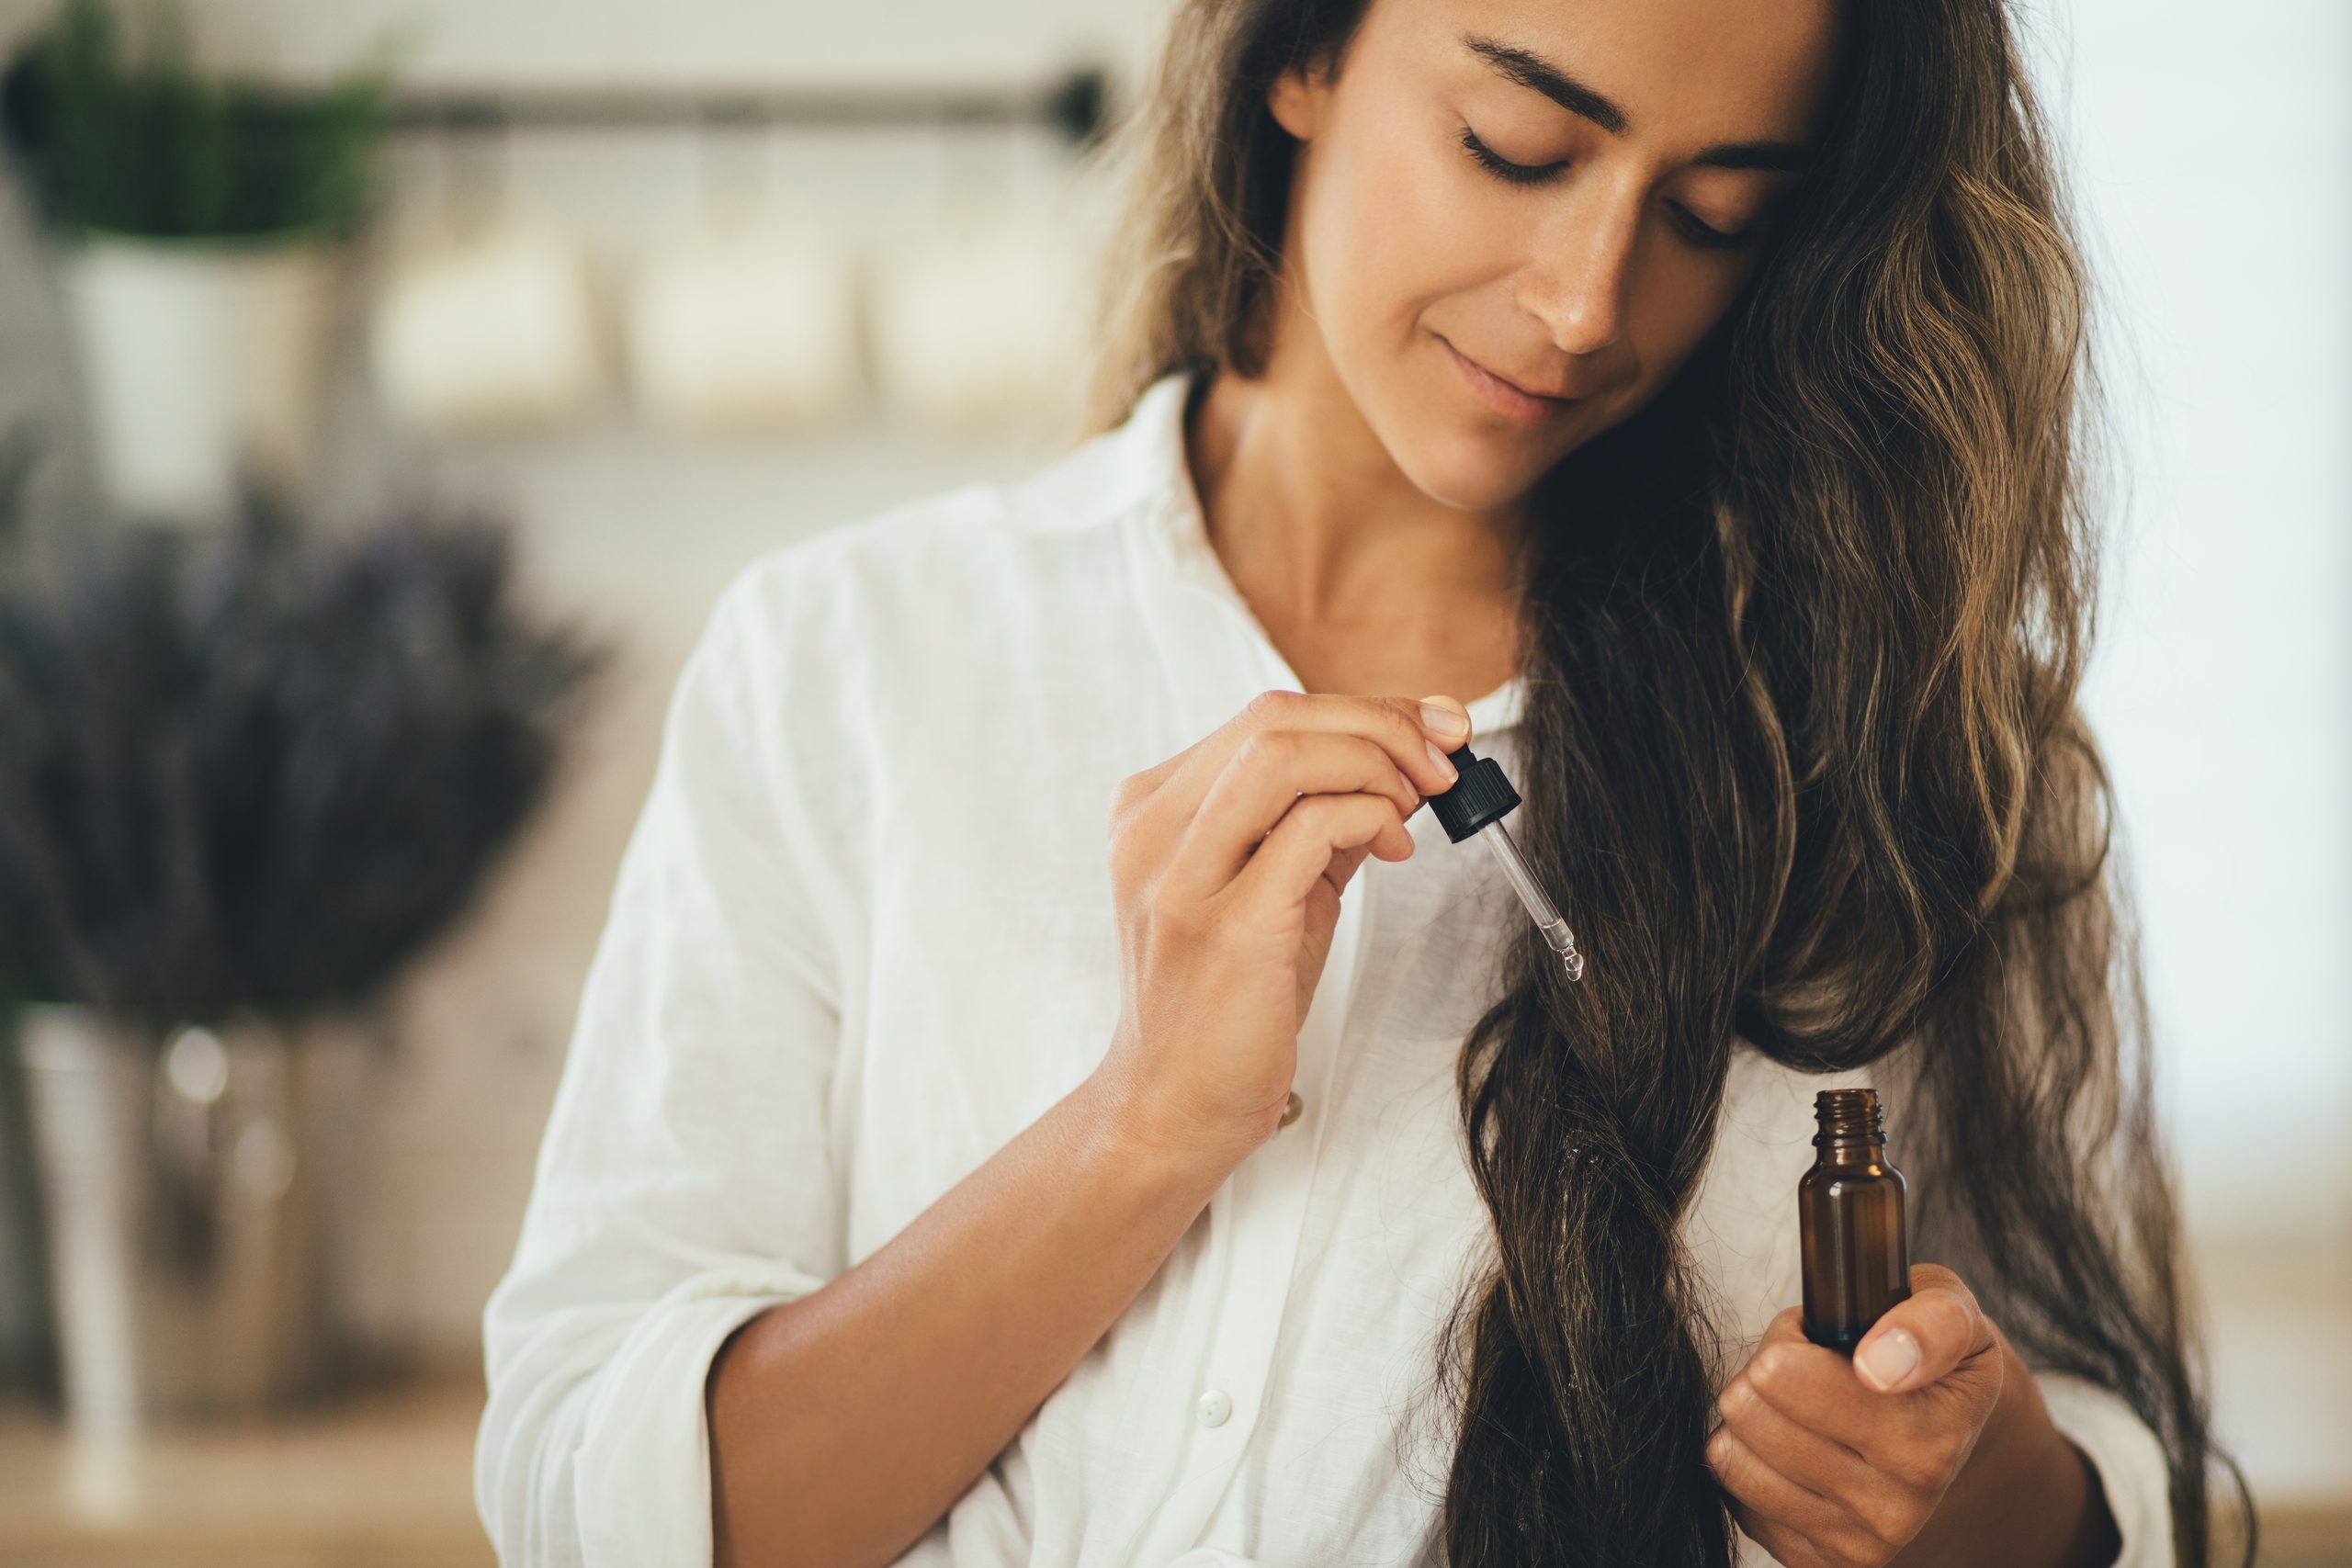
(1838, 1463)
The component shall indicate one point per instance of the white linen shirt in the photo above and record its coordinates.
(863, 934)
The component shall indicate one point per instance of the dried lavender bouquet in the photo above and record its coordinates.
(262, 767)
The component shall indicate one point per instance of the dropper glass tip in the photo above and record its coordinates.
(1522, 879)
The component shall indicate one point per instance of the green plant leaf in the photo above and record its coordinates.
(137, 140)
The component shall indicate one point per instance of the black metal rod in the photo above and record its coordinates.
(1073, 106)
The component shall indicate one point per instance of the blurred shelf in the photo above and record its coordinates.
(380, 1480)
(1074, 104)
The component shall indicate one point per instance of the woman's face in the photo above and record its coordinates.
(1639, 143)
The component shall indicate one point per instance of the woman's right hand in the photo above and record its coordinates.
(1227, 863)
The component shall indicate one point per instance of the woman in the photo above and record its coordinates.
(1693, 382)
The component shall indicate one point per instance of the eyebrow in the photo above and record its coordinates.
(1533, 71)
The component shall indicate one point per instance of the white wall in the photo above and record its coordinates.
(2212, 149)
(721, 41)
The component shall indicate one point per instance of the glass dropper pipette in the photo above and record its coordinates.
(1477, 804)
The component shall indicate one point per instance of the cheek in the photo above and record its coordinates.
(1676, 304)
(1389, 227)
(1391, 231)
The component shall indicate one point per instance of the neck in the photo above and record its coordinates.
(1306, 506)
(1313, 518)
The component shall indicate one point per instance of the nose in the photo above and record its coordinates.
(1576, 281)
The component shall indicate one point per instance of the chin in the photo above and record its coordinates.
(1470, 470)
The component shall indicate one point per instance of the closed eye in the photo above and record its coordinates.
(1517, 173)
(1701, 234)
(1707, 234)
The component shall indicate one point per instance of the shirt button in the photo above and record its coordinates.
(1213, 1407)
(1291, 1108)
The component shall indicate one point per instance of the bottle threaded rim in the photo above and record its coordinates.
(1848, 1114)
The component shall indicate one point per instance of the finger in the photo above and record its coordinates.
(1919, 1341)
(1393, 722)
(1795, 1524)
(1780, 1544)
(1267, 776)
(1300, 851)
(1438, 735)
(1397, 724)
(1787, 1328)
(1813, 1460)
(1344, 861)
(1774, 1504)
(1814, 1387)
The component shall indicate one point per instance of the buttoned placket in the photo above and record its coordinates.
(1219, 656)
(1256, 1220)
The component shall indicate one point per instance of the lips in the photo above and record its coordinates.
(1528, 387)
(1508, 398)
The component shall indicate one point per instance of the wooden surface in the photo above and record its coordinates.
(383, 1480)
(2280, 1338)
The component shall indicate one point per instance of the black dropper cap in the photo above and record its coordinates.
(1479, 796)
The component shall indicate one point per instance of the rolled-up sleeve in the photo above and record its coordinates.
(684, 1182)
(2133, 1468)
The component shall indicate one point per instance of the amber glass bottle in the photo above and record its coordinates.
(1849, 1222)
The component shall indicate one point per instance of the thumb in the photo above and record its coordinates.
(1442, 742)
(1920, 1340)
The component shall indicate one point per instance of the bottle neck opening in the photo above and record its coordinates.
(1848, 1119)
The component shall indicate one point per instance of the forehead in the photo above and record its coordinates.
(1680, 69)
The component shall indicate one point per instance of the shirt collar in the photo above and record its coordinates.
(1170, 548)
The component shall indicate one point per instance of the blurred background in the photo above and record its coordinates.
(386, 387)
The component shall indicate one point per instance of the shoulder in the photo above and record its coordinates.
(875, 639)
(866, 649)
(944, 565)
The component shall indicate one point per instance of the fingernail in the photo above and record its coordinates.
(1447, 724)
(1438, 757)
(1888, 1359)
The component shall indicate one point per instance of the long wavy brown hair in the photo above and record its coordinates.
(1802, 642)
